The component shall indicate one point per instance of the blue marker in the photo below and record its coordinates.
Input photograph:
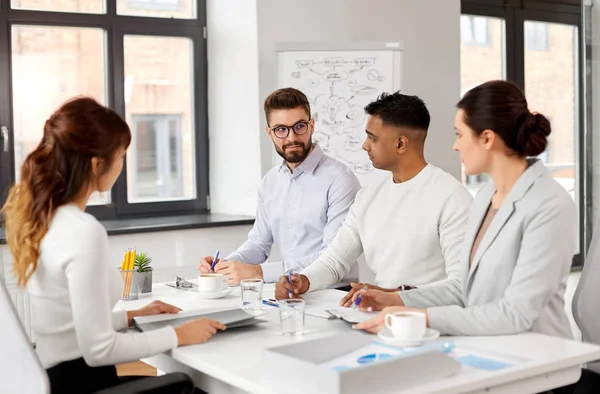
(212, 267)
(290, 282)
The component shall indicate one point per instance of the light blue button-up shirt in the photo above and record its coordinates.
(300, 212)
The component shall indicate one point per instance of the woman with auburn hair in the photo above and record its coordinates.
(521, 234)
(61, 254)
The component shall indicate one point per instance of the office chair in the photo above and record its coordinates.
(21, 371)
(586, 313)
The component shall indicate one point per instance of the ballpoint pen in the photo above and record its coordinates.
(358, 299)
(212, 267)
(290, 282)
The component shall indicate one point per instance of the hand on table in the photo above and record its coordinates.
(153, 308)
(197, 331)
(349, 298)
(236, 271)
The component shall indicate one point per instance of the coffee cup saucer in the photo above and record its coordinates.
(386, 336)
(214, 295)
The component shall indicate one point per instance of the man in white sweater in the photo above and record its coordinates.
(410, 226)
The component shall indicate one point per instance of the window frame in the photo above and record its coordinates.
(515, 13)
(116, 27)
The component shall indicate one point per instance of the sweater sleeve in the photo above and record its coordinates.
(93, 317)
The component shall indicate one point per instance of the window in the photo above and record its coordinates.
(480, 64)
(541, 55)
(156, 158)
(474, 30)
(536, 36)
(159, 73)
(156, 4)
(183, 9)
(79, 6)
(153, 75)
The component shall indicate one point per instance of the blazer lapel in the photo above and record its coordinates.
(535, 170)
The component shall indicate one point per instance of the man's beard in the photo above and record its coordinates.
(295, 156)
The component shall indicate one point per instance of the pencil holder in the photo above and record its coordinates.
(130, 285)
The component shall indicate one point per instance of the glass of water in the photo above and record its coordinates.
(251, 294)
(291, 314)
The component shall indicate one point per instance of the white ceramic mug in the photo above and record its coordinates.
(406, 325)
(211, 283)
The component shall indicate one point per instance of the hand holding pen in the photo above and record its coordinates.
(215, 261)
(291, 286)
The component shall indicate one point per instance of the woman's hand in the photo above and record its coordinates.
(153, 308)
(197, 331)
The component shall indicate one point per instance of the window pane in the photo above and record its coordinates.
(552, 89)
(482, 60)
(84, 6)
(73, 64)
(158, 105)
(182, 9)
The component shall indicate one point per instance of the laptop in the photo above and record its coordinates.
(233, 318)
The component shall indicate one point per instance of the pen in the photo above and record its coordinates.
(359, 298)
(212, 267)
(290, 282)
(270, 303)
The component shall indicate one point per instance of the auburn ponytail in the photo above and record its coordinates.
(57, 172)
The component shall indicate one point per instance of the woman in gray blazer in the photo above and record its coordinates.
(521, 234)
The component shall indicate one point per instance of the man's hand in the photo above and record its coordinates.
(300, 285)
(356, 286)
(205, 266)
(376, 300)
(377, 323)
(153, 308)
(236, 271)
(197, 331)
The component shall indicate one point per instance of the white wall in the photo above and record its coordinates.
(234, 125)
(431, 56)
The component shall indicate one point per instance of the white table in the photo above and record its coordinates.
(231, 362)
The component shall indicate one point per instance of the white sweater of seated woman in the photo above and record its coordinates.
(73, 292)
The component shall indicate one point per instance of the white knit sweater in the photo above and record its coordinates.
(410, 232)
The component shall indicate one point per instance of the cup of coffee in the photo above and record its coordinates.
(406, 325)
(211, 283)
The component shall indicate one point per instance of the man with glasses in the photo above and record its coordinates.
(301, 203)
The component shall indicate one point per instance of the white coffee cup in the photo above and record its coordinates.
(406, 325)
(211, 283)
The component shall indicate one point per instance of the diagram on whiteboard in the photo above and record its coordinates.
(339, 85)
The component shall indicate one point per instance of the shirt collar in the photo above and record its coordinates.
(310, 163)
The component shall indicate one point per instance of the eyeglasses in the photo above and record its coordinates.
(300, 128)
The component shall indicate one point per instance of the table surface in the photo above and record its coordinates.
(234, 356)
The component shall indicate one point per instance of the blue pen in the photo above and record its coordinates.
(290, 282)
(212, 267)
(358, 299)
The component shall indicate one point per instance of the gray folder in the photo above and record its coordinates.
(233, 318)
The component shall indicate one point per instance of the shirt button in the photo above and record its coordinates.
(291, 202)
(294, 180)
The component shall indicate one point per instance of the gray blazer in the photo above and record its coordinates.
(519, 273)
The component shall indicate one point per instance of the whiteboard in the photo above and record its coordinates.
(339, 84)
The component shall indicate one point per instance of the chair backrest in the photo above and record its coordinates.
(587, 296)
(20, 368)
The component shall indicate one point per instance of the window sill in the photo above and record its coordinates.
(167, 223)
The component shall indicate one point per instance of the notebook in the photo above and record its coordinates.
(233, 318)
